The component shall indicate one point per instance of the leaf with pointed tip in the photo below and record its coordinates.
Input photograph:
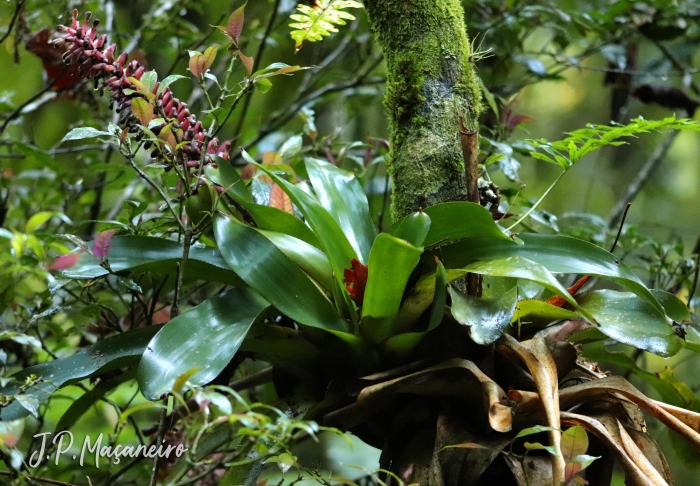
(413, 228)
(205, 337)
(341, 194)
(235, 23)
(142, 110)
(109, 354)
(487, 318)
(391, 262)
(270, 272)
(558, 254)
(150, 254)
(631, 320)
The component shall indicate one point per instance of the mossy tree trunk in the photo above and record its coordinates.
(432, 98)
(431, 86)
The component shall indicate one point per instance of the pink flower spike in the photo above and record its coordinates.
(102, 244)
(64, 262)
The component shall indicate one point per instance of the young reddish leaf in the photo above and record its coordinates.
(356, 280)
(280, 200)
(235, 24)
(200, 63)
(166, 135)
(65, 262)
(247, 62)
(142, 110)
(102, 244)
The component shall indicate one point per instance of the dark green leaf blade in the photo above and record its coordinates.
(558, 254)
(341, 194)
(628, 319)
(487, 318)
(460, 220)
(115, 352)
(205, 337)
(391, 262)
(266, 269)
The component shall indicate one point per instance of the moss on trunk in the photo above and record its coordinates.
(431, 85)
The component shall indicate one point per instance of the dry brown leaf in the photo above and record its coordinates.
(539, 361)
(280, 200)
(605, 427)
(457, 378)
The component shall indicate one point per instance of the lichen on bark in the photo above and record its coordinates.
(431, 85)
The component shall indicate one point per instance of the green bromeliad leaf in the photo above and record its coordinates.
(391, 262)
(341, 194)
(487, 318)
(145, 253)
(266, 269)
(204, 338)
(109, 354)
(630, 320)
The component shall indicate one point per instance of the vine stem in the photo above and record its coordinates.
(155, 186)
(159, 440)
(539, 201)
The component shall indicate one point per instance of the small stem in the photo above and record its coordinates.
(175, 309)
(39, 479)
(159, 440)
(155, 186)
(539, 201)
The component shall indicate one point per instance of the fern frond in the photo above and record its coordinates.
(315, 23)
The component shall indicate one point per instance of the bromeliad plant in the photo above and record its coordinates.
(374, 331)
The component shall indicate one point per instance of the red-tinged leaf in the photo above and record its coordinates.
(65, 262)
(209, 55)
(166, 135)
(235, 23)
(142, 110)
(200, 63)
(102, 244)
(248, 62)
(511, 121)
(280, 200)
(559, 301)
(355, 279)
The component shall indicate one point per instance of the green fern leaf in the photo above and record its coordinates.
(315, 23)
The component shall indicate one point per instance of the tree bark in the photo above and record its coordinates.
(431, 88)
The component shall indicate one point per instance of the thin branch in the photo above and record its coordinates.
(159, 441)
(18, 10)
(38, 479)
(256, 65)
(642, 177)
(619, 230)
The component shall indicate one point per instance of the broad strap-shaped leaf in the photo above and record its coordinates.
(112, 353)
(145, 253)
(539, 313)
(487, 318)
(309, 258)
(332, 238)
(413, 228)
(558, 254)
(266, 217)
(391, 262)
(341, 194)
(88, 399)
(454, 221)
(266, 269)
(204, 338)
(628, 319)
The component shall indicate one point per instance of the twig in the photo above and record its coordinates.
(159, 441)
(642, 177)
(155, 186)
(21, 107)
(39, 479)
(18, 10)
(619, 230)
(470, 152)
(256, 65)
